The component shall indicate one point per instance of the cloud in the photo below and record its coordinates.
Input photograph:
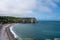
(26, 7)
(21, 7)
(17, 7)
(45, 9)
(46, 5)
(3, 5)
(56, 1)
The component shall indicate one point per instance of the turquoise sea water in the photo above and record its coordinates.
(40, 31)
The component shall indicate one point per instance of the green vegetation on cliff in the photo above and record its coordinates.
(7, 19)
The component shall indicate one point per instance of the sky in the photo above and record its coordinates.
(40, 9)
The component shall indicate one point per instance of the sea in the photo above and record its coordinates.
(42, 30)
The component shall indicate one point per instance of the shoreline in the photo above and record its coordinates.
(4, 32)
(14, 34)
(9, 33)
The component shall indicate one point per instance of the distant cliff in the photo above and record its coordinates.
(27, 20)
(7, 19)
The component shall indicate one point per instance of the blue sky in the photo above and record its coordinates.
(40, 9)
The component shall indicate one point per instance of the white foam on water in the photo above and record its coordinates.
(48, 39)
(15, 36)
(56, 38)
(13, 32)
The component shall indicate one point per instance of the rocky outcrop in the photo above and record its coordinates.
(27, 20)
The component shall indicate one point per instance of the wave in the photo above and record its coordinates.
(13, 32)
(15, 35)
